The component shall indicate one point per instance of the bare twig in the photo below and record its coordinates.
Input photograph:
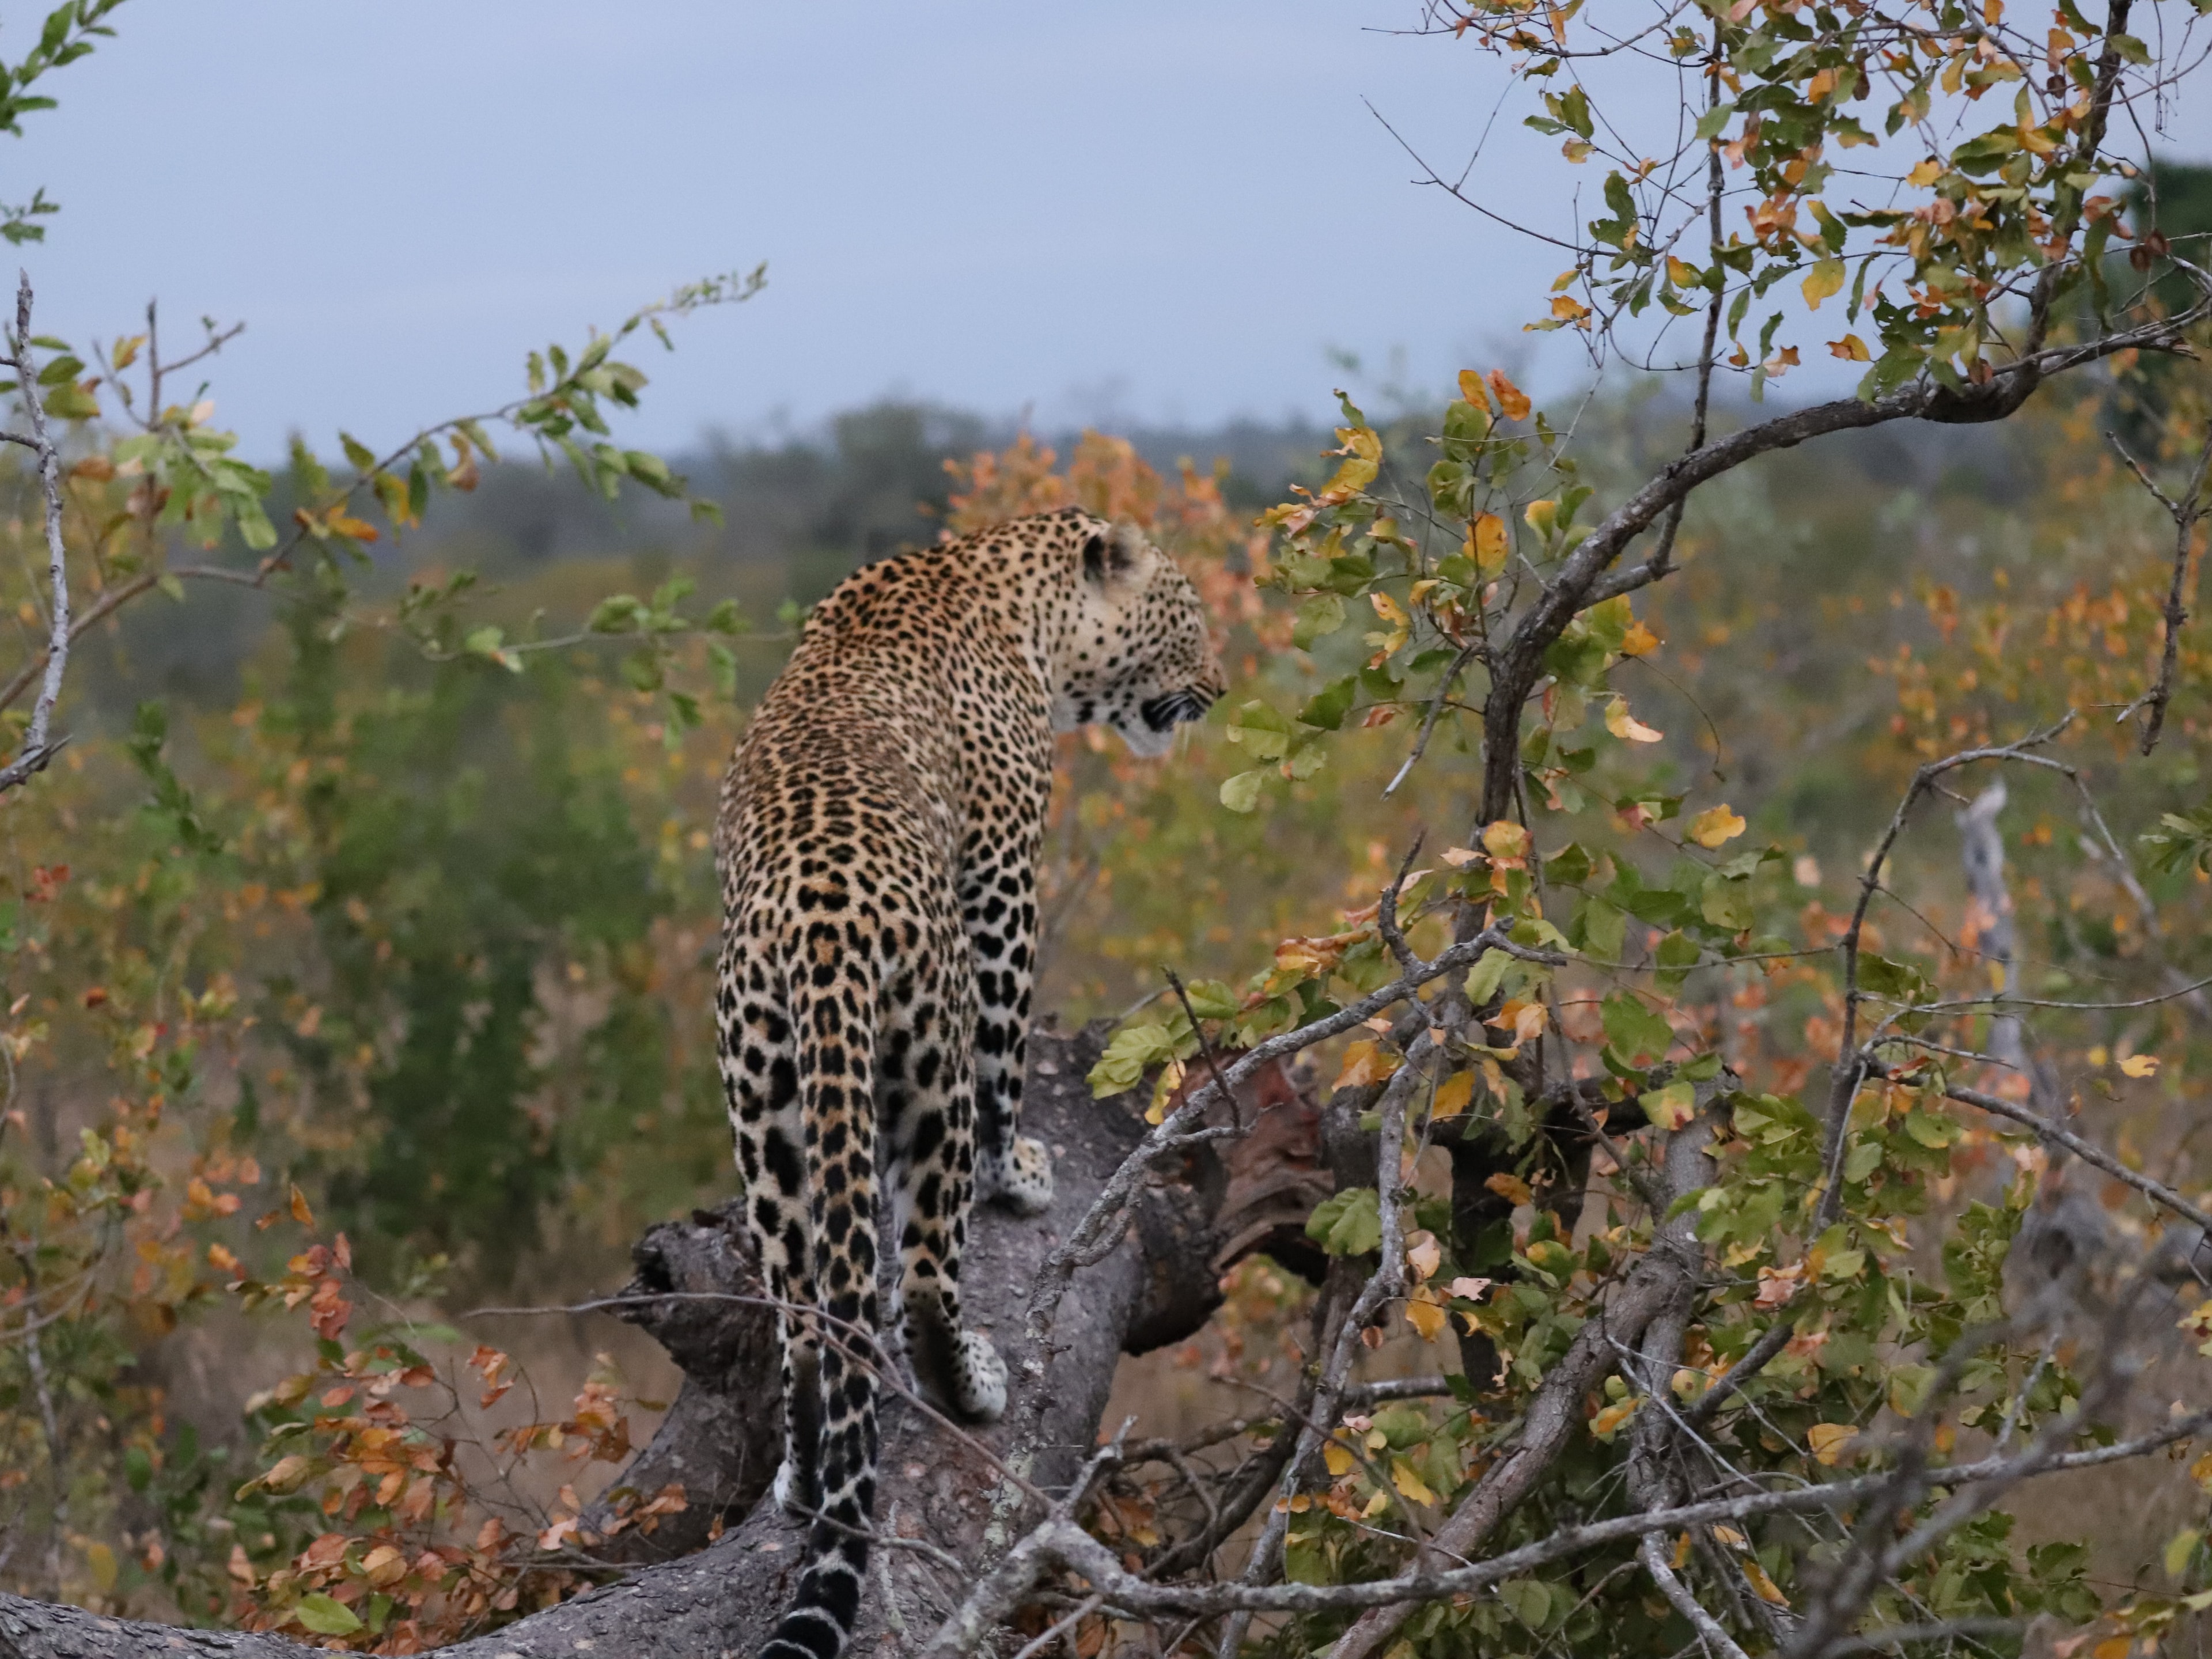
(37, 750)
(2185, 512)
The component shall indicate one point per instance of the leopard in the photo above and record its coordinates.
(878, 838)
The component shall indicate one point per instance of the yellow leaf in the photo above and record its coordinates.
(1487, 541)
(1625, 726)
(1765, 1587)
(1409, 1484)
(1926, 173)
(1164, 1088)
(1510, 397)
(2201, 1470)
(1424, 1254)
(1427, 1317)
(1681, 274)
(1639, 641)
(1339, 1457)
(1681, 1552)
(1715, 825)
(300, 1212)
(1826, 278)
(101, 1560)
(1511, 1187)
(1568, 309)
(1851, 349)
(1364, 1062)
(1672, 1106)
(1453, 1094)
(1830, 1441)
(1506, 841)
(2112, 1647)
(1540, 516)
(1470, 388)
(2140, 1066)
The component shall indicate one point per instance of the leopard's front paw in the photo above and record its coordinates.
(1021, 1179)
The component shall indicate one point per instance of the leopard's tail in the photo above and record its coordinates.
(836, 1028)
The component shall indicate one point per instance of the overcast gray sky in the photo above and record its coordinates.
(1153, 210)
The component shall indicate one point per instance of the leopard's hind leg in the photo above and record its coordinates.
(999, 914)
(760, 1084)
(928, 1118)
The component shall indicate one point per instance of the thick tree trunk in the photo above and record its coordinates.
(942, 1489)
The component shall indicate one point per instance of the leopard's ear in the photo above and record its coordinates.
(1111, 557)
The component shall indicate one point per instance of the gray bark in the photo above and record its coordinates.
(937, 1489)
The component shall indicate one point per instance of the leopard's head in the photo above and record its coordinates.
(1141, 659)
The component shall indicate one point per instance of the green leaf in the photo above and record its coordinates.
(1350, 1224)
(1485, 977)
(1677, 954)
(1604, 929)
(1932, 1129)
(1529, 1598)
(326, 1615)
(359, 454)
(1134, 1050)
(1210, 998)
(1324, 613)
(2179, 1549)
(1635, 1032)
(1241, 793)
(1569, 866)
(1260, 730)
(1328, 706)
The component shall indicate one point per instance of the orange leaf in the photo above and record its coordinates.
(1364, 1062)
(1765, 1587)
(1426, 1316)
(1510, 397)
(1453, 1094)
(1511, 1188)
(1487, 544)
(300, 1212)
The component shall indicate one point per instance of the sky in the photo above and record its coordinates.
(1153, 211)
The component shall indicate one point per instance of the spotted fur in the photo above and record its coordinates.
(878, 840)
